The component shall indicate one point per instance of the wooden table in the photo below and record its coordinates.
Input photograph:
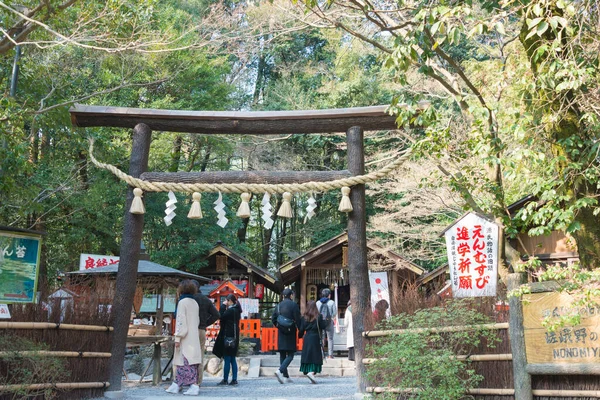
(157, 340)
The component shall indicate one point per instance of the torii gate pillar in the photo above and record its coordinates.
(129, 258)
(360, 290)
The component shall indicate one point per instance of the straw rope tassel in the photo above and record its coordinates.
(285, 210)
(244, 208)
(345, 203)
(137, 205)
(195, 210)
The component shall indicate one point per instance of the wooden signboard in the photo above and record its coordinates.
(566, 345)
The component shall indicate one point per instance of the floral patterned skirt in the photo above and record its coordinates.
(186, 374)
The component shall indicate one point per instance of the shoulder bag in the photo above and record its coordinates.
(284, 324)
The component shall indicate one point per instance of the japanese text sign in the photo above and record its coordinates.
(472, 246)
(4, 311)
(379, 289)
(19, 267)
(91, 261)
(566, 344)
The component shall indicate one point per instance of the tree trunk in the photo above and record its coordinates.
(176, 154)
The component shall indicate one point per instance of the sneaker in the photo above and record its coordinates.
(174, 388)
(279, 376)
(331, 357)
(233, 382)
(311, 376)
(288, 380)
(194, 390)
(222, 383)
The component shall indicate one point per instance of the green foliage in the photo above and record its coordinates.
(425, 360)
(30, 368)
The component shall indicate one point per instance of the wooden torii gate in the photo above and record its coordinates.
(352, 121)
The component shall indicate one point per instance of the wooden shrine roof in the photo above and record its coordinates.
(291, 270)
(263, 273)
(240, 122)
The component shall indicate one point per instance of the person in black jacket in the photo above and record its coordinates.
(311, 328)
(231, 312)
(286, 338)
(208, 315)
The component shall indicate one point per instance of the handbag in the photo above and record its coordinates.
(284, 324)
(229, 342)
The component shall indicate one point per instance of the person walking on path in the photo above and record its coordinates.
(311, 326)
(228, 340)
(187, 354)
(328, 311)
(349, 331)
(207, 315)
(286, 318)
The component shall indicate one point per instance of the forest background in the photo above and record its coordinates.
(511, 109)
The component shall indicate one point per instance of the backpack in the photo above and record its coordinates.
(327, 317)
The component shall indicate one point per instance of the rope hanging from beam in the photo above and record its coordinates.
(250, 187)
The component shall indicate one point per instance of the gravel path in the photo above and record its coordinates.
(328, 388)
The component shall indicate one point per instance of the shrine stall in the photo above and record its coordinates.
(155, 294)
(225, 265)
(326, 266)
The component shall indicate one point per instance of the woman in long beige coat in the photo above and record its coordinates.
(188, 354)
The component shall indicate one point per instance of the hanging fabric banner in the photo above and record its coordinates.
(472, 246)
(379, 289)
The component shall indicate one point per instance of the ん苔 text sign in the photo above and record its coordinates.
(567, 344)
(472, 246)
(19, 266)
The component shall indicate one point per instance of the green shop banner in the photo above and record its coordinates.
(19, 266)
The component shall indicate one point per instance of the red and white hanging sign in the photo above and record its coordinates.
(472, 245)
(91, 261)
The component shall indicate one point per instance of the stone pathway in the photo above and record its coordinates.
(327, 388)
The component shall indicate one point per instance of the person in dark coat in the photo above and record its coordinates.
(208, 315)
(311, 328)
(286, 339)
(231, 313)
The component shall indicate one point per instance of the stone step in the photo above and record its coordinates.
(335, 363)
(295, 371)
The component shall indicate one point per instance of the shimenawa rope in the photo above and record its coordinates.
(249, 187)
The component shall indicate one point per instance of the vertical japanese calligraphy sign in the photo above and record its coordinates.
(19, 266)
(472, 246)
(566, 344)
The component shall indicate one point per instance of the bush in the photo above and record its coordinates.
(424, 361)
(17, 368)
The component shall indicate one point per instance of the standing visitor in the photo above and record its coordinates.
(380, 311)
(228, 339)
(286, 318)
(207, 315)
(349, 331)
(187, 354)
(328, 311)
(311, 326)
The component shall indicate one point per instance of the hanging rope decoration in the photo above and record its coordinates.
(345, 204)
(195, 210)
(244, 208)
(285, 210)
(137, 206)
(170, 210)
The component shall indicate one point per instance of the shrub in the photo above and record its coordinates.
(423, 360)
(17, 368)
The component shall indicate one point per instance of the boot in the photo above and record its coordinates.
(233, 382)
(223, 382)
(194, 390)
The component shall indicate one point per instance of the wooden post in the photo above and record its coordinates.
(360, 290)
(517, 339)
(156, 373)
(130, 255)
(302, 288)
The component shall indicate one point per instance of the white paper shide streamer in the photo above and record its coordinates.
(267, 212)
(170, 210)
(310, 209)
(220, 209)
